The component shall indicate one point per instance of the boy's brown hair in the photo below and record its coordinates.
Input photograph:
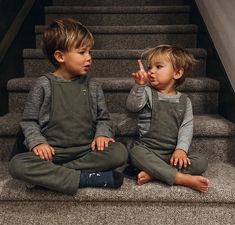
(179, 57)
(63, 35)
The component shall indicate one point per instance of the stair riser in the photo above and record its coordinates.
(123, 19)
(203, 102)
(134, 41)
(117, 2)
(222, 150)
(102, 67)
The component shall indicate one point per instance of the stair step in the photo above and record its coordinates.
(202, 91)
(106, 63)
(117, 2)
(213, 135)
(132, 203)
(131, 37)
(132, 15)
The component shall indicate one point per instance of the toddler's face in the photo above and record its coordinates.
(77, 61)
(161, 73)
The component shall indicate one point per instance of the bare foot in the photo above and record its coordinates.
(198, 183)
(143, 178)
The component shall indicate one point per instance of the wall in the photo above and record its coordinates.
(219, 17)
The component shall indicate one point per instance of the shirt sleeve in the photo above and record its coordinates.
(137, 98)
(30, 119)
(103, 121)
(185, 134)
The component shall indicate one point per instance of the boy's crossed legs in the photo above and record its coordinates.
(155, 165)
(64, 172)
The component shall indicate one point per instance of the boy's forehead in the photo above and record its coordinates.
(159, 58)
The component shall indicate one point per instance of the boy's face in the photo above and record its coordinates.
(76, 62)
(161, 74)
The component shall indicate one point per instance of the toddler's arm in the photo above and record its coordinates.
(185, 134)
(30, 119)
(102, 118)
(138, 97)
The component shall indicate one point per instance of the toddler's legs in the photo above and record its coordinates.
(156, 166)
(151, 166)
(32, 169)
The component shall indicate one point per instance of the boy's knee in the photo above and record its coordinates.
(15, 166)
(120, 153)
(199, 165)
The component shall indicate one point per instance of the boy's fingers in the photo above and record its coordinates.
(111, 139)
(189, 162)
(40, 153)
(35, 151)
(52, 151)
(93, 145)
(141, 66)
(180, 163)
(175, 162)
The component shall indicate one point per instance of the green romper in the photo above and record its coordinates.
(70, 132)
(152, 153)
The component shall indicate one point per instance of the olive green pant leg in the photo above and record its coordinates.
(154, 164)
(112, 157)
(199, 164)
(32, 169)
(157, 163)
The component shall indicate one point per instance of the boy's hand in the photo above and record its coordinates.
(140, 77)
(100, 143)
(179, 158)
(44, 151)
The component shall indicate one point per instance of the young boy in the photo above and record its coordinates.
(65, 121)
(165, 121)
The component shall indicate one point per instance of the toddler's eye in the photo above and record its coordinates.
(159, 66)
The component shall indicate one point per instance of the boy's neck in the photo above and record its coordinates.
(66, 76)
(168, 92)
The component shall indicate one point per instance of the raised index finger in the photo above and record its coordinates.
(141, 65)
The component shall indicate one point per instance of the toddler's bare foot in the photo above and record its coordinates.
(143, 178)
(198, 183)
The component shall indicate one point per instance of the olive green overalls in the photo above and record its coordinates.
(152, 153)
(70, 132)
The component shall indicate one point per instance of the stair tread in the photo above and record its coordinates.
(185, 28)
(115, 54)
(222, 190)
(206, 125)
(117, 9)
(190, 84)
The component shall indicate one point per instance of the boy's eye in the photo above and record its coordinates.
(159, 66)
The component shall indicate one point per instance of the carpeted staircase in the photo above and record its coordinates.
(122, 28)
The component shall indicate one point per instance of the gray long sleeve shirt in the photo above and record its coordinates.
(36, 113)
(141, 95)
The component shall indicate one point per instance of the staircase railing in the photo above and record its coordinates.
(15, 27)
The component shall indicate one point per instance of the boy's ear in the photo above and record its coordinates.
(59, 56)
(178, 73)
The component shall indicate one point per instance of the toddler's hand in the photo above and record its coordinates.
(44, 151)
(179, 158)
(100, 143)
(140, 77)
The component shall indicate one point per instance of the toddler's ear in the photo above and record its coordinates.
(59, 56)
(178, 73)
